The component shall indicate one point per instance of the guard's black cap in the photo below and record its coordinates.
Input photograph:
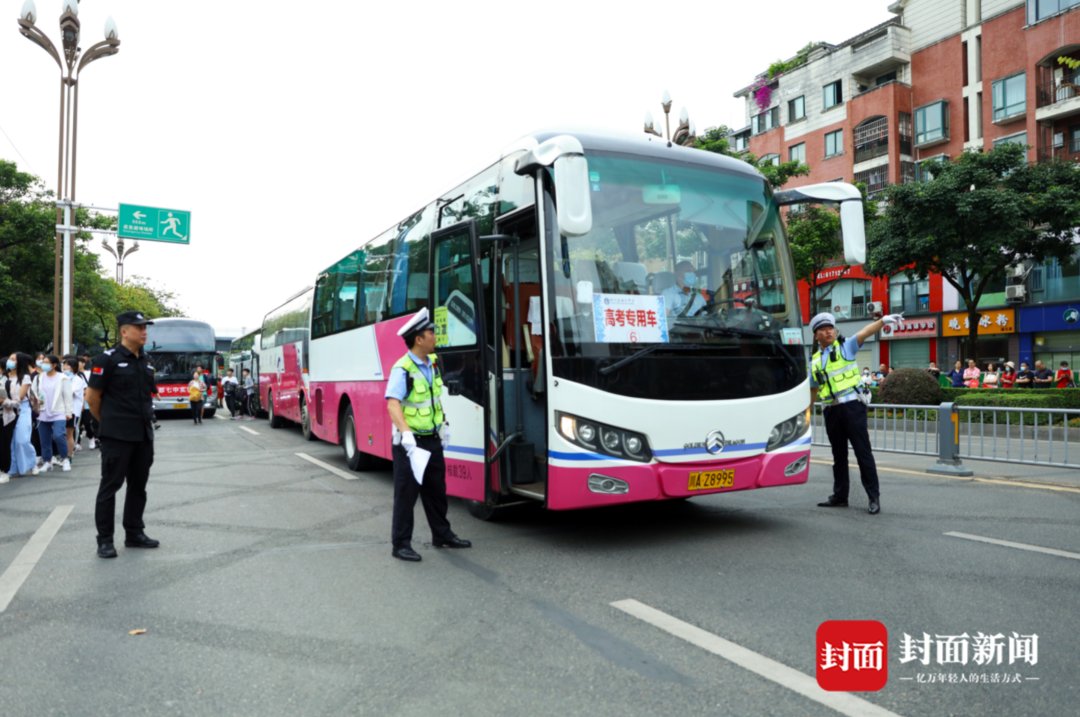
(133, 318)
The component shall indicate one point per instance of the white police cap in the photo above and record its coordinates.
(821, 320)
(421, 321)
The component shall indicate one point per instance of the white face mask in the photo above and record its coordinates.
(690, 279)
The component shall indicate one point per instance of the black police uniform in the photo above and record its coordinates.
(126, 436)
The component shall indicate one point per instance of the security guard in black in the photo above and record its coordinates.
(120, 394)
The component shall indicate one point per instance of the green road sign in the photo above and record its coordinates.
(154, 224)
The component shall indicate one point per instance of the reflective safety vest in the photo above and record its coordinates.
(838, 379)
(422, 407)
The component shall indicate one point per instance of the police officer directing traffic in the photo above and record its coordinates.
(120, 398)
(835, 381)
(413, 394)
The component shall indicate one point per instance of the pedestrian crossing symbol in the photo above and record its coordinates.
(154, 224)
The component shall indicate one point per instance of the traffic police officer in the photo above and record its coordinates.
(835, 381)
(413, 393)
(120, 398)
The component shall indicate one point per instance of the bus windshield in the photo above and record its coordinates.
(687, 257)
(177, 346)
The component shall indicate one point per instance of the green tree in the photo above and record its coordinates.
(715, 140)
(814, 235)
(979, 214)
(27, 267)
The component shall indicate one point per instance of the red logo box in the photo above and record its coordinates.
(852, 655)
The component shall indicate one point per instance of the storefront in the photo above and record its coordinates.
(912, 344)
(996, 337)
(1051, 334)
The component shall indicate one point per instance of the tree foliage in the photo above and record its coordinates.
(27, 267)
(979, 214)
(814, 235)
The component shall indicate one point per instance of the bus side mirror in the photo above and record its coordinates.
(853, 230)
(572, 195)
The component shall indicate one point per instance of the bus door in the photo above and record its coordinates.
(519, 325)
(461, 346)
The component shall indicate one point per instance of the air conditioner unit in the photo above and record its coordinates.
(1015, 293)
(1059, 140)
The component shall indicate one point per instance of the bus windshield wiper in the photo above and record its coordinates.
(643, 352)
(773, 339)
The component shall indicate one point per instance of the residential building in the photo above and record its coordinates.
(940, 77)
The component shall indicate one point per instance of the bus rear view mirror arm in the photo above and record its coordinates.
(572, 189)
(852, 226)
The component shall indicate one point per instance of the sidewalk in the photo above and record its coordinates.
(993, 470)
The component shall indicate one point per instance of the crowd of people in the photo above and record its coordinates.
(45, 417)
(994, 375)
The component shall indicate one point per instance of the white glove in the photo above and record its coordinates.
(893, 319)
(444, 434)
(408, 442)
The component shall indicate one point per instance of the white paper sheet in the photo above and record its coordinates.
(418, 459)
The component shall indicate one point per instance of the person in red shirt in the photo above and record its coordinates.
(1008, 375)
(1064, 376)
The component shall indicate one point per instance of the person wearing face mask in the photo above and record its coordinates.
(78, 388)
(684, 298)
(55, 396)
(18, 419)
(834, 379)
(196, 388)
(1025, 377)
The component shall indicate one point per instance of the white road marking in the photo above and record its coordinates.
(1013, 483)
(245, 428)
(843, 702)
(24, 562)
(1018, 546)
(326, 466)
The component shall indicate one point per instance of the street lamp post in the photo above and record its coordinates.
(120, 254)
(71, 66)
(685, 133)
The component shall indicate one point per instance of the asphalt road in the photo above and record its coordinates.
(274, 593)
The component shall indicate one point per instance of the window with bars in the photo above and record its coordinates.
(904, 129)
(907, 172)
(871, 138)
(875, 179)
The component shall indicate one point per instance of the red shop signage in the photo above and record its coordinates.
(920, 328)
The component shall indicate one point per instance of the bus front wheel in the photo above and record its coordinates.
(305, 421)
(275, 420)
(357, 459)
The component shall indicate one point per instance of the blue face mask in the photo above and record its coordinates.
(46, 366)
(11, 365)
(38, 363)
(69, 374)
(690, 279)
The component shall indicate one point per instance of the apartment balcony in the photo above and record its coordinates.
(1057, 92)
(880, 50)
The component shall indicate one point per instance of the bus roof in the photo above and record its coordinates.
(640, 144)
(174, 334)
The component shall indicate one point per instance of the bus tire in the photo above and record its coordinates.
(305, 421)
(210, 413)
(357, 459)
(275, 420)
(483, 511)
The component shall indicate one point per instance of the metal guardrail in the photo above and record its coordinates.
(1033, 436)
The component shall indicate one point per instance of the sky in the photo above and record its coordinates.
(295, 131)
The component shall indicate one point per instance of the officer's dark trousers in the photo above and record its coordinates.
(120, 460)
(844, 423)
(432, 493)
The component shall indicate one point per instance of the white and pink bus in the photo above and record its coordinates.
(617, 321)
(283, 362)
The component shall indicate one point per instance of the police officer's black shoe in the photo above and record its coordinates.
(140, 540)
(406, 553)
(106, 550)
(833, 502)
(874, 508)
(452, 542)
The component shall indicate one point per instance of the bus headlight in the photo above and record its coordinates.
(613, 441)
(786, 432)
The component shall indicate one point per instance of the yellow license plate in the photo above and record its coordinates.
(705, 480)
(181, 405)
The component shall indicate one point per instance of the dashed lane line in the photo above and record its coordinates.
(245, 428)
(842, 702)
(971, 479)
(327, 467)
(20, 568)
(1018, 546)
